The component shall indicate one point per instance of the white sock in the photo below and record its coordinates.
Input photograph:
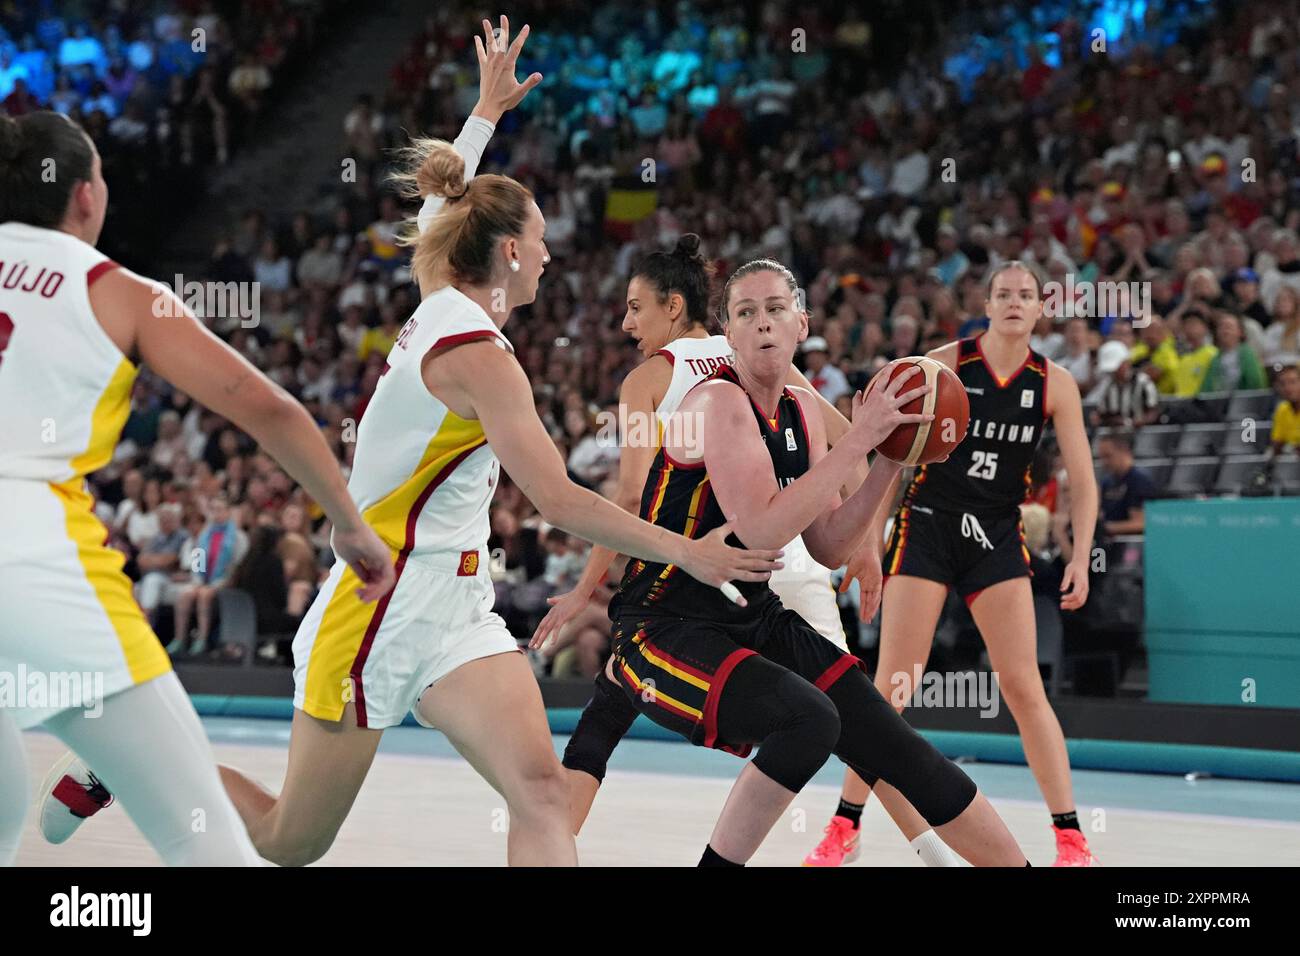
(933, 851)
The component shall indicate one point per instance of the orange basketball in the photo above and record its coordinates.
(946, 401)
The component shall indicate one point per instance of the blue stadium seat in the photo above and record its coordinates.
(1286, 475)
(1200, 440)
(1175, 407)
(1250, 404)
(1192, 476)
(1237, 470)
(1129, 549)
(1235, 439)
(1051, 640)
(1215, 404)
(237, 623)
(1157, 469)
(1156, 441)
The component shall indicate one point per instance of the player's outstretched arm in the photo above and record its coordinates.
(495, 386)
(498, 92)
(146, 318)
(498, 89)
(636, 399)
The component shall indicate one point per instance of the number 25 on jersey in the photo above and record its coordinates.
(984, 464)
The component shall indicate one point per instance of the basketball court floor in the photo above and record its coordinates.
(422, 805)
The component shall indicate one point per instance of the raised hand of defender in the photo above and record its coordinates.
(498, 90)
(564, 608)
(864, 567)
(877, 412)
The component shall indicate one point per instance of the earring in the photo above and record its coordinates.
(546, 260)
(514, 265)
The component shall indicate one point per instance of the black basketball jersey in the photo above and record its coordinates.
(988, 473)
(679, 497)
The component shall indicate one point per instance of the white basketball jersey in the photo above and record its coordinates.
(694, 360)
(65, 388)
(423, 477)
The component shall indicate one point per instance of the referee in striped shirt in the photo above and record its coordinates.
(1126, 398)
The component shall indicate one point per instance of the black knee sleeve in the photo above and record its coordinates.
(876, 742)
(604, 722)
(794, 723)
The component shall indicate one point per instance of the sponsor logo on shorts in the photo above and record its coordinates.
(468, 564)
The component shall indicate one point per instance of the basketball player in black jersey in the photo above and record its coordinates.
(732, 678)
(959, 527)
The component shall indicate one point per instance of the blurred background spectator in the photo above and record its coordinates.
(1156, 188)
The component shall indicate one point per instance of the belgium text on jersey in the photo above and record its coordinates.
(1001, 431)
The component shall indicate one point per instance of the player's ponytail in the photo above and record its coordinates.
(458, 245)
(682, 270)
(43, 156)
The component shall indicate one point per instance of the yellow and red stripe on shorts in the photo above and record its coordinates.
(684, 691)
(348, 627)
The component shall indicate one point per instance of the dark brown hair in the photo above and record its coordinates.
(30, 147)
(684, 271)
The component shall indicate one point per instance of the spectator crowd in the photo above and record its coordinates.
(1166, 165)
(165, 89)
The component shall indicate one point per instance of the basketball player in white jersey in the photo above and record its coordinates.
(667, 315)
(452, 399)
(73, 326)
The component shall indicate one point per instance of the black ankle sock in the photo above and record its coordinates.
(711, 858)
(1066, 821)
(851, 811)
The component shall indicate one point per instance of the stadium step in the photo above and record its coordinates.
(302, 139)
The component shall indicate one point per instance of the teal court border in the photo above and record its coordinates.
(1126, 756)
